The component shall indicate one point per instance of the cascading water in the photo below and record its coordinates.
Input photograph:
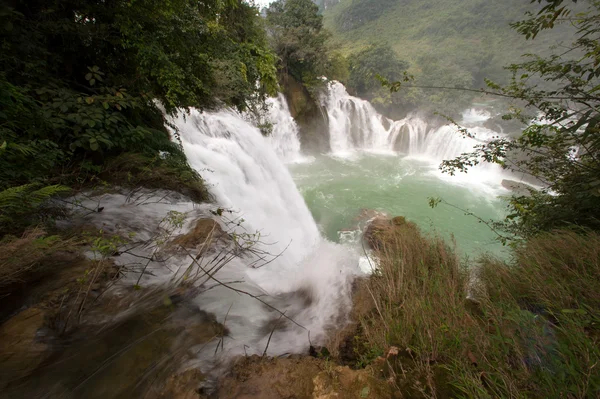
(311, 278)
(284, 135)
(353, 123)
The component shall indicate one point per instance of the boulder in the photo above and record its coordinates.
(518, 188)
(382, 229)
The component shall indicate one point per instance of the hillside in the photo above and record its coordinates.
(450, 41)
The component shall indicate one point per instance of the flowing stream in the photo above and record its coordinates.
(310, 279)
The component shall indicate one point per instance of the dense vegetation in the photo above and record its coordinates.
(560, 145)
(83, 82)
(455, 43)
(300, 41)
(530, 328)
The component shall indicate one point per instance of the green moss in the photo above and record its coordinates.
(138, 170)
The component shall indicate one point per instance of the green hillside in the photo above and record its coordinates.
(449, 42)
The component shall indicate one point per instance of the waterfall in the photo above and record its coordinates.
(284, 135)
(353, 123)
(311, 278)
(475, 115)
(408, 135)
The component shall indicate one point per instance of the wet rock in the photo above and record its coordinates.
(271, 378)
(299, 377)
(513, 127)
(185, 385)
(311, 119)
(21, 350)
(204, 233)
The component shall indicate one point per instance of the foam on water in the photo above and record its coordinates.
(355, 127)
(311, 278)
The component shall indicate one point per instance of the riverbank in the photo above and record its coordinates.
(424, 326)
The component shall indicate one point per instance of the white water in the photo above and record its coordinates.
(247, 176)
(353, 123)
(354, 126)
(284, 136)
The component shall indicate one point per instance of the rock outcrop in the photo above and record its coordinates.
(381, 229)
(306, 111)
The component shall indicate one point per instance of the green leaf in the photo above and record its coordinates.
(365, 392)
(88, 76)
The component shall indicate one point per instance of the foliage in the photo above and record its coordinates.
(361, 12)
(21, 206)
(377, 59)
(298, 37)
(456, 43)
(529, 328)
(80, 81)
(160, 172)
(560, 146)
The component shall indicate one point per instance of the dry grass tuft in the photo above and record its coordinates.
(28, 257)
(531, 331)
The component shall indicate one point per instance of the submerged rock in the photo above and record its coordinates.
(21, 350)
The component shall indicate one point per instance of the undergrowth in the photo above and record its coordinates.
(526, 328)
(26, 258)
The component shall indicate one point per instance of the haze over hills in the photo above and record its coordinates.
(450, 41)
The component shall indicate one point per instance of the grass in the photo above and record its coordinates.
(27, 258)
(528, 329)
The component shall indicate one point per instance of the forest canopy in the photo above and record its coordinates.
(82, 82)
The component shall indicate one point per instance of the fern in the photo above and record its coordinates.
(27, 204)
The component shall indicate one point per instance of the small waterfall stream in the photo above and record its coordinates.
(284, 135)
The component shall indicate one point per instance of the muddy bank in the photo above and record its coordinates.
(299, 377)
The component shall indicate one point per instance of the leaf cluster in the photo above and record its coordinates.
(559, 147)
(82, 82)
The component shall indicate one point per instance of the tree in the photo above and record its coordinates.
(560, 145)
(298, 37)
(80, 80)
(376, 59)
